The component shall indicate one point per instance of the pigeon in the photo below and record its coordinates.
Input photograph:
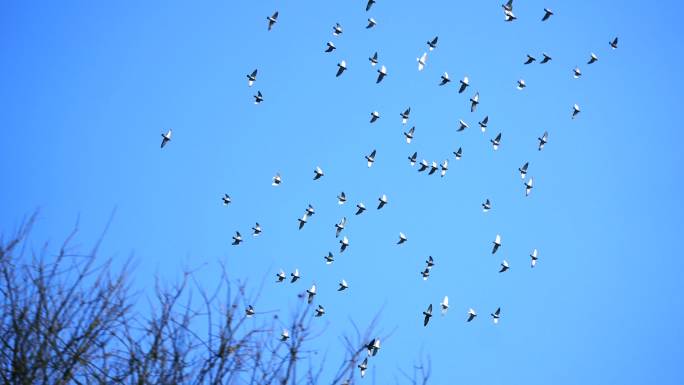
(373, 347)
(272, 20)
(576, 73)
(256, 230)
(405, 115)
(412, 158)
(371, 23)
(433, 168)
(280, 276)
(458, 153)
(363, 366)
(421, 61)
(546, 59)
(483, 123)
(341, 198)
(295, 276)
(166, 138)
(341, 67)
(375, 115)
(445, 79)
(360, 208)
(423, 165)
(462, 125)
(251, 78)
(497, 243)
(302, 220)
(343, 285)
(369, 5)
(534, 256)
(237, 238)
(508, 6)
(374, 59)
(249, 312)
(330, 46)
(284, 335)
(474, 101)
(614, 43)
(547, 13)
(320, 311)
(409, 134)
(521, 84)
(383, 201)
(528, 187)
(592, 59)
(329, 259)
(311, 293)
(427, 313)
(258, 98)
(370, 158)
(444, 305)
(509, 15)
(471, 315)
(337, 29)
(318, 173)
(402, 238)
(523, 170)
(464, 84)
(226, 199)
(382, 72)
(445, 167)
(344, 243)
(340, 226)
(425, 273)
(496, 315)
(575, 111)
(432, 44)
(430, 262)
(486, 206)
(530, 59)
(496, 141)
(543, 140)
(310, 210)
(277, 180)
(504, 266)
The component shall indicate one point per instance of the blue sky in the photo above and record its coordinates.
(87, 89)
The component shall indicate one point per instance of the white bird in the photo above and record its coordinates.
(330, 46)
(226, 199)
(360, 208)
(341, 67)
(340, 226)
(496, 142)
(576, 73)
(371, 23)
(237, 238)
(496, 315)
(464, 84)
(284, 335)
(258, 98)
(363, 366)
(575, 111)
(425, 273)
(310, 210)
(509, 16)
(272, 20)
(280, 276)
(370, 158)
(486, 206)
(483, 123)
(383, 201)
(504, 266)
(251, 78)
(373, 59)
(409, 134)
(295, 276)
(329, 259)
(458, 153)
(249, 312)
(412, 158)
(311, 293)
(497, 243)
(303, 220)
(534, 256)
(373, 347)
(342, 285)
(166, 138)
(341, 198)
(432, 44)
(421, 61)
(344, 243)
(523, 170)
(430, 262)
(543, 140)
(471, 315)
(445, 79)
(521, 84)
(445, 305)
(405, 115)
(402, 238)
(528, 187)
(382, 72)
(256, 230)
(337, 29)
(320, 311)
(277, 180)
(474, 101)
(614, 43)
(592, 59)
(462, 125)
(445, 167)
(318, 173)
(433, 168)
(375, 115)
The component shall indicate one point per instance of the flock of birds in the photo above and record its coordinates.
(374, 345)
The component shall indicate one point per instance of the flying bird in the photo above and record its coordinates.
(318, 173)
(433, 168)
(464, 84)
(462, 125)
(575, 111)
(497, 243)
(458, 153)
(375, 115)
(277, 180)
(251, 78)
(496, 315)
(166, 138)
(521, 84)
(311, 293)
(543, 140)
(344, 243)
(614, 43)
(508, 6)
(430, 262)
(382, 72)
(256, 230)
(504, 266)
(284, 335)
(486, 206)
(371, 23)
(373, 347)
(528, 187)
(272, 20)
(547, 13)
(425, 273)
(445, 167)
(546, 59)
(295, 276)
(471, 315)
(341, 67)
(370, 158)
(383, 201)
(534, 256)
(369, 5)
(373, 59)
(421, 61)
(258, 98)
(341, 198)
(330, 46)
(523, 170)
(402, 238)
(409, 134)
(363, 366)
(302, 220)
(592, 59)
(237, 238)
(412, 158)
(576, 73)
(280, 276)
(474, 101)
(226, 199)
(496, 142)
(483, 123)
(445, 79)
(444, 305)
(249, 312)
(337, 29)
(329, 259)
(342, 285)
(529, 60)
(320, 311)
(340, 226)
(432, 44)
(360, 208)
(310, 210)
(427, 313)
(509, 16)
(423, 165)
(405, 115)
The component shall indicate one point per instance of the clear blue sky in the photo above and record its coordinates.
(88, 87)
